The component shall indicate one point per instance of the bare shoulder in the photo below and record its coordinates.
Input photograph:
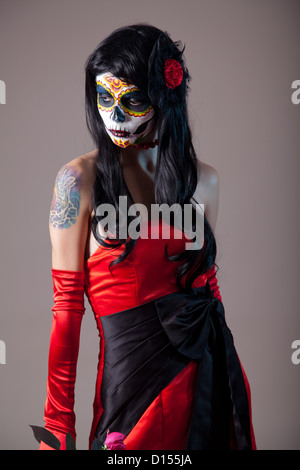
(78, 176)
(208, 181)
(207, 191)
(85, 166)
(87, 161)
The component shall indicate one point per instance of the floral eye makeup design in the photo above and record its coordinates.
(134, 102)
(105, 99)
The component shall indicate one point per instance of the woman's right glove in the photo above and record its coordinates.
(68, 309)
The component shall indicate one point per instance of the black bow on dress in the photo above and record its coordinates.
(195, 324)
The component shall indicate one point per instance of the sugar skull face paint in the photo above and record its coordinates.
(126, 111)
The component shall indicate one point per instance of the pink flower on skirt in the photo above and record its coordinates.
(114, 441)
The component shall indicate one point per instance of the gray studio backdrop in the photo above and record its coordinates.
(243, 57)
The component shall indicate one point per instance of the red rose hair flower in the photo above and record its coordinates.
(167, 76)
(173, 73)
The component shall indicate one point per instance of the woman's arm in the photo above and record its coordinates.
(207, 193)
(68, 226)
(70, 210)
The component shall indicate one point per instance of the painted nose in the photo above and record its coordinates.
(117, 115)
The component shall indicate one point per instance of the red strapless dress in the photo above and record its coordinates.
(163, 422)
(146, 275)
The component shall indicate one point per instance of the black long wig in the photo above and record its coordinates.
(125, 54)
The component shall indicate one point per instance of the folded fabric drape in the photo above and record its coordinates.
(147, 346)
(195, 324)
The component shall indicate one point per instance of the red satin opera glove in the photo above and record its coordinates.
(68, 309)
(213, 282)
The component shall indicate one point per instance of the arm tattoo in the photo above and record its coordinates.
(66, 198)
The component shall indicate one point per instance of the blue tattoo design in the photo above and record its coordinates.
(66, 198)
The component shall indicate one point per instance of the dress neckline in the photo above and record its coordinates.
(142, 224)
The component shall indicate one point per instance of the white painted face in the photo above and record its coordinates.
(126, 111)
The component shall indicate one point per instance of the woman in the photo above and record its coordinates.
(168, 374)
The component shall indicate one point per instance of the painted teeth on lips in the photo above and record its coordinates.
(119, 133)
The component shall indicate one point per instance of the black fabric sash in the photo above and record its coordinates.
(139, 361)
(147, 346)
(195, 324)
